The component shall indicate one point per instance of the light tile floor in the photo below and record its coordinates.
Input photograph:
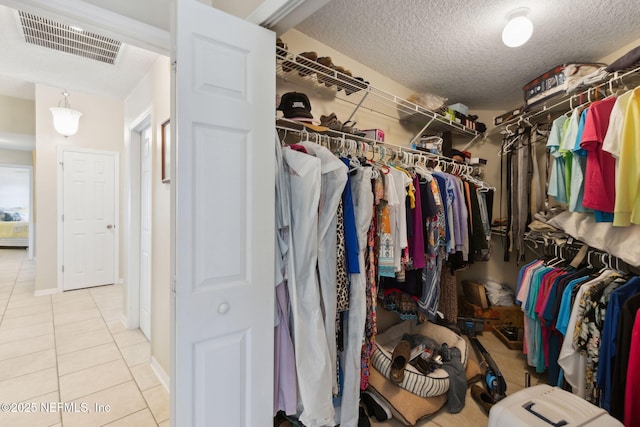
(72, 348)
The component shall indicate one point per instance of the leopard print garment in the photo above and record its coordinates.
(342, 283)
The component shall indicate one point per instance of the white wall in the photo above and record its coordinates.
(153, 94)
(100, 129)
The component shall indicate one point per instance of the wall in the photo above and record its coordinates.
(100, 129)
(16, 157)
(153, 94)
(17, 115)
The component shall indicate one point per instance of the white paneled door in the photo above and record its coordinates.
(223, 219)
(89, 219)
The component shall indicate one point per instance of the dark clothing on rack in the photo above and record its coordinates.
(623, 340)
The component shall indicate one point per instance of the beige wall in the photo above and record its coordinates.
(153, 94)
(100, 129)
(16, 157)
(17, 115)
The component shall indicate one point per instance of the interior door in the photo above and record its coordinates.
(223, 219)
(145, 232)
(89, 220)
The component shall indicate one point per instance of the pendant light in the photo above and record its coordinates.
(65, 120)
(519, 28)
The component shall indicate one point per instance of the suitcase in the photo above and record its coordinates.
(543, 405)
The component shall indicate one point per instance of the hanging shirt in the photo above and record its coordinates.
(566, 148)
(579, 165)
(600, 185)
(632, 390)
(557, 185)
(608, 345)
(627, 206)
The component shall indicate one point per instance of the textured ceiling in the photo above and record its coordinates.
(35, 64)
(453, 48)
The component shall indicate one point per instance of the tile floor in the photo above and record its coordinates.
(72, 348)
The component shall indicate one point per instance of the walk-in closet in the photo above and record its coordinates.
(440, 263)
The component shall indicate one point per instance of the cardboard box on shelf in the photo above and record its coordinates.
(494, 315)
(475, 293)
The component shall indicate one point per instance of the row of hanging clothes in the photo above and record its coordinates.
(359, 225)
(522, 176)
(582, 325)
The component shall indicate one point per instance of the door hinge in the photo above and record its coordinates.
(62, 217)
(174, 65)
(173, 284)
(62, 164)
(63, 268)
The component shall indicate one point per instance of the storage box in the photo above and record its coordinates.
(475, 293)
(507, 116)
(511, 336)
(460, 108)
(375, 134)
(545, 86)
(494, 315)
(543, 405)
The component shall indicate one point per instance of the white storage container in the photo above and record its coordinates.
(545, 406)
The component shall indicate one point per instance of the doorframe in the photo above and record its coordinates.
(131, 314)
(32, 210)
(60, 193)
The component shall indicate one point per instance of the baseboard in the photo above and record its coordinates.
(41, 292)
(160, 373)
(125, 321)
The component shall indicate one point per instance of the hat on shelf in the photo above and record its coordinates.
(296, 106)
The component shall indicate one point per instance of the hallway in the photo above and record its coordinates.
(72, 348)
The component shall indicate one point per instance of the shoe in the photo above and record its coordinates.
(281, 47)
(331, 122)
(308, 59)
(483, 398)
(326, 62)
(375, 407)
(363, 420)
(423, 366)
(399, 360)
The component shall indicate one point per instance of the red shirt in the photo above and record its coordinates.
(600, 174)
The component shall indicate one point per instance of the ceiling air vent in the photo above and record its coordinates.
(54, 35)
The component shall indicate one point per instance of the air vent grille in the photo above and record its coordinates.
(54, 35)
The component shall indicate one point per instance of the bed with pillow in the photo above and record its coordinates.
(14, 227)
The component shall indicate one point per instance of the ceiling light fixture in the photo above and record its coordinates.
(519, 28)
(65, 120)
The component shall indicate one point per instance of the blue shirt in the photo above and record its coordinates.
(608, 338)
(350, 231)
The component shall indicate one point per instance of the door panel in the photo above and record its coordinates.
(223, 219)
(89, 197)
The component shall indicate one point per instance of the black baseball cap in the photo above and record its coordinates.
(295, 105)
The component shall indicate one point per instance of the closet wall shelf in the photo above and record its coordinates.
(328, 82)
(624, 79)
(390, 150)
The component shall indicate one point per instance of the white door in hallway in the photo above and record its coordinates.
(89, 218)
(145, 232)
(223, 219)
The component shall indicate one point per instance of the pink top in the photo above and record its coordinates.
(632, 388)
(600, 174)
